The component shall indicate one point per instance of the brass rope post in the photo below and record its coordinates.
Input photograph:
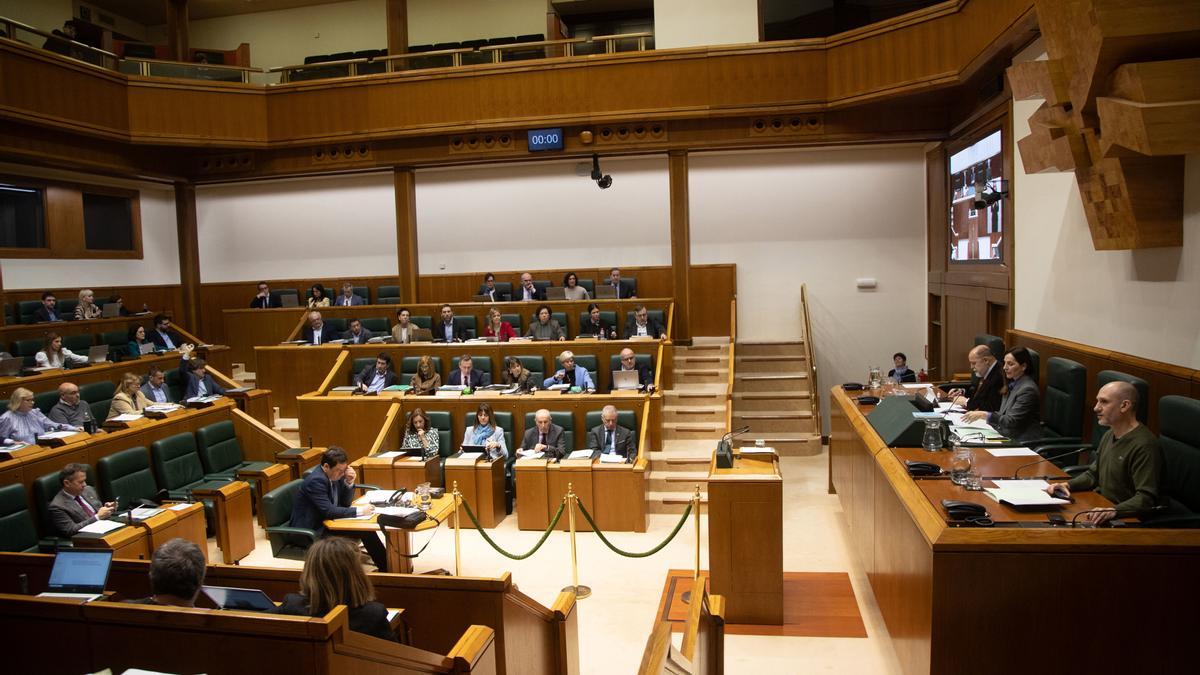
(696, 513)
(457, 550)
(581, 592)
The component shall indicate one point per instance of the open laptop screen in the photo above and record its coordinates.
(239, 598)
(79, 571)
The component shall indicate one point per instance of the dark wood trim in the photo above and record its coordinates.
(397, 26)
(65, 232)
(189, 251)
(177, 30)
(681, 245)
(407, 253)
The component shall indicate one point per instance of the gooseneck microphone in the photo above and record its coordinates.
(734, 434)
(1049, 459)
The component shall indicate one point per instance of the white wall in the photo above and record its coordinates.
(539, 215)
(313, 227)
(285, 37)
(691, 23)
(1142, 302)
(160, 250)
(47, 15)
(823, 217)
(433, 21)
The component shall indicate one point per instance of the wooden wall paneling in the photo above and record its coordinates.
(535, 93)
(407, 250)
(177, 29)
(42, 88)
(213, 114)
(288, 375)
(792, 77)
(189, 251)
(681, 247)
(966, 317)
(397, 26)
(711, 287)
(352, 424)
(324, 111)
(165, 298)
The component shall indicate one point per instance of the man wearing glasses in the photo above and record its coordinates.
(645, 375)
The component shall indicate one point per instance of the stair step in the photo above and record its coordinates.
(694, 426)
(694, 409)
(676, 498)
(791, 382)
(769, 348)
(773, 414)
(786, 443)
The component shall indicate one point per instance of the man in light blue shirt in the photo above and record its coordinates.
(155, 387)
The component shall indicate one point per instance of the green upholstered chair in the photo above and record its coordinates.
(614, 361)
(562, 418)
(514, 320)
(588, 361)
(536, 366)
(478, 362)
(650, 313)
(357, 367)
(408, 367)
(422, 321)
(994, 343)
(607, 316)
(625, 418)
(177, 466)
(66, 306)
(78, 343)
(469, 323)
(286, 541)
(1064, 398)
(128, 474)
(389, 300)
(541, 285)
(337, 323)
(44, 488)
(26, 349)
(1179, 426)
(376, 324)
(173, 378)
(504, 291)
(279, 293)
(45, 401)
(98, 395)
(221, 453)
(589, 284)
(27, 308)
(560, 317)
(117, 341)
(384, 293)
(362, 292)
(505, 420)
(17, 532)
(440, 420)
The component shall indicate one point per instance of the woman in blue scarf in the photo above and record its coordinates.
(485, 432)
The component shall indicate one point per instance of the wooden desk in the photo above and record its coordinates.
(401, 471)
(481, 482)
(234, 519)
(399, 541)
(48, 380)
(745, 538)
(176, 520)
(129, 542)
(958, 599)
(986, 465)
(533, 502)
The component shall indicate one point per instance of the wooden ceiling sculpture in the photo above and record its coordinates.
(1122, 108)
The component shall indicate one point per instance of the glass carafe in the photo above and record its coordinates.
(960, 464)
(932, 440)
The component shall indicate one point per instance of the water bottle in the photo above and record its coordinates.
(89, 424)
(932, 440)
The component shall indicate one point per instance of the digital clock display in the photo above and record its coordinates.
(545, 139)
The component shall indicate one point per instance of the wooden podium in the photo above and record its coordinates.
(234, 520)
(532, 502)
(397, 471)
(127, 543)
(481, 482)
(745, 537)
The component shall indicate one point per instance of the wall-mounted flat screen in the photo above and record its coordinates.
(976, 229)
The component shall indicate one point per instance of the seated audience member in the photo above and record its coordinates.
(517, 375)
(196, 378)
(317, 297)
(87, 308)
(176, 574)
(571, 374)
(162, 336)
(611, 438)
(488, 288)
(333, 576)
(377, 377)
(629, 362)
(49, 310)
(317, 332)
(467, 375)
(402, 332)
(1127, 465)
(426, 380)
(573, 289)
(137, 338)
(628, 290)
(155, 388)
(327, 493)
(497, 327)
(54, 355)
(545, 436)
(356, 334)
(59, 41)
(642, 324)
(486, 432)
(23, 423)
(419, 433)
(901, 371)
(76, 504)
(264, 300)
(986, 394)
(129, 398)
(119, 301)
(348, 298)
(1018, 417)
(595, 325)
(528, 291)
(545, 328)
(69, 410)
(448, 330)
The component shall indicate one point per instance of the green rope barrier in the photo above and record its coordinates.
(588, 517)
(506, 554)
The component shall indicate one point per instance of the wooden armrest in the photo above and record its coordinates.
(267, 472)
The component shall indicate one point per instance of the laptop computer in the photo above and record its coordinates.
(289, 300)
(482, 298)
(605, 291)
(78, 573)
(626, 379)
(422, 334)
(11, 367)
(97, 354)
(249, 599)
(146, 348)
(556, 293)
(110, 310)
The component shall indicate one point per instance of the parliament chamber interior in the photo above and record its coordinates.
(599, 336)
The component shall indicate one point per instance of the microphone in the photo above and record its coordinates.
(147, 503)
(733, 434)
(1126, 513)
(1050, 459)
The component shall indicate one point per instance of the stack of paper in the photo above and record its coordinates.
(1023, 493)
(162, 407)
(581, 454)
(102, 526)
(127, 417)
(472, 456)
(612, 459)
(61, 434)
(144, 512)
(1011, 452)
(530, 454)
(377, 496)
(389, 454)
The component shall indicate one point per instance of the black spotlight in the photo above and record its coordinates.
(603, 181)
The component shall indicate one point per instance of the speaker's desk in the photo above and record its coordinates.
(399, 541)
(995, 600)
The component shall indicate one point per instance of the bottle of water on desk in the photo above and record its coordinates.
(960, 464)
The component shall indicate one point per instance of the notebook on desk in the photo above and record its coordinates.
(78, 573)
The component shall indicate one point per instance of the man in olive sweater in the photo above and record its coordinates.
(1128, 461)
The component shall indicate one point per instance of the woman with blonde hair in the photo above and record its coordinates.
(334, 576)
(129, 398)
(23, 423)
(426, 380)
(87, 308)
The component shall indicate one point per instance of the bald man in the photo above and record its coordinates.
(991, 381)
(69, 409)
(1128, 462)
(545, 436)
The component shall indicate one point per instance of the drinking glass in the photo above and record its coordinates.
(960, 464)
(932, 440)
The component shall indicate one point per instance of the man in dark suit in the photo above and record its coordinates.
(155, 388)
(641, 323)
(264, 299)
(348, 298)
(468, 375)
(356, 335)
(49, 310)
(76, 504)
(987, 392)
(162, 336)
(629, 362)
(327, 493)
(317, 332)
(528, 291)
(545, 437)
(612, 438)
(448, 330)
(377, 377)
(196, 378)
(622, 288)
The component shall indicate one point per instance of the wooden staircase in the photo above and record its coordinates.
(772, 395)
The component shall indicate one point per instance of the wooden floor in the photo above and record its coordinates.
(815, 604)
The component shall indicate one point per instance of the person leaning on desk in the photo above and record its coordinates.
(418, 433)
(426, 380)
(516, 374)
(376, 377)
(986, 394)
(1019, 416)
(23, 423)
